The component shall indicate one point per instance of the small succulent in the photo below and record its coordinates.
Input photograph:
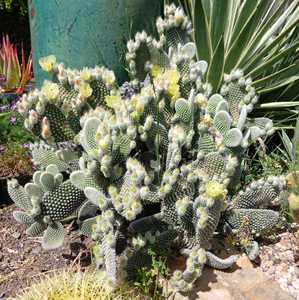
(156, 162)
(13, 75)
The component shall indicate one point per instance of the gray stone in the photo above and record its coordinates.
(244, 282)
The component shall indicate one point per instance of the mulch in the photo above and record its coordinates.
(22, 259)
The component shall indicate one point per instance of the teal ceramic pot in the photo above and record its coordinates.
(85, 33)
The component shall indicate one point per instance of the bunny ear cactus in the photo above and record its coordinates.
(45, 203)
(159, 157)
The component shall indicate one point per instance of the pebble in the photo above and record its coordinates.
(16, 235)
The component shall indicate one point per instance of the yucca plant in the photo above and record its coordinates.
(259, 37)
(14, 75)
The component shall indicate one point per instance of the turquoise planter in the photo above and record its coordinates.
(85, 33)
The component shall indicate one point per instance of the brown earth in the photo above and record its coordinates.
(22, 259)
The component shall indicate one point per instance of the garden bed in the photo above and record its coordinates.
(22, 260)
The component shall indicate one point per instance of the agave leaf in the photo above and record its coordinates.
(216, 68)
(202, 32)
(26, 72)
(13, 71)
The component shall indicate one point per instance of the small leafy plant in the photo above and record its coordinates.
(11, 125)
(150, 279)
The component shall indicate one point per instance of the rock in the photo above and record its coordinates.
(16, 235)
(244, 282)
(36, 250)
(222, 294)
(295, 284)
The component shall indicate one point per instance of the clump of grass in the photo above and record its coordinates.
(67, 285)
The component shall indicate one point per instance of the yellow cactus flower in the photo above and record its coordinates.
(105, 142)
(137, 104)
(207, 120)
(47, 63)
(109, 77)
(215, 190)
(135, 115)
(85, 90)
(174, 91)
(147, 91)
(112, 100)
(201, 101)
(85, 74)
(139, 107)
(172, 78)
(155, 71)
(50, 90)
(104, 145)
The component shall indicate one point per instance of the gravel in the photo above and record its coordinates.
(280, 261)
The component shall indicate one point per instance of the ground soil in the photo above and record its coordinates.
(22, 260)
